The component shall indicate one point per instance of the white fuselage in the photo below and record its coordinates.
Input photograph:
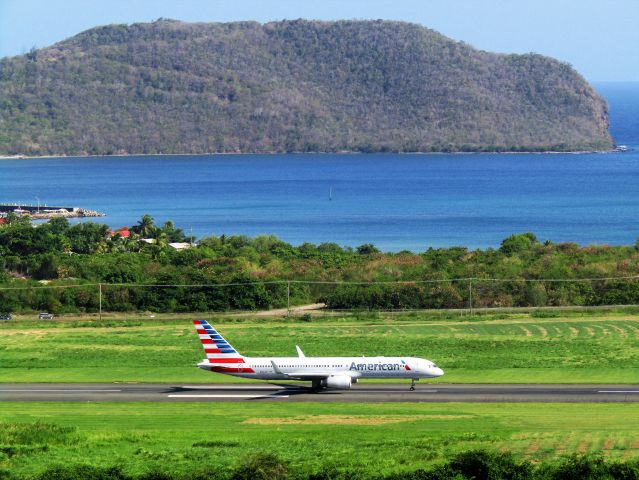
(285, 368)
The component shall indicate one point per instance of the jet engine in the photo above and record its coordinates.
(341, 382)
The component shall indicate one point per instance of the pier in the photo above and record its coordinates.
(46, 211)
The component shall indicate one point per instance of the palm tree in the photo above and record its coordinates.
(159, 246)
(162, 240)
(145, 227)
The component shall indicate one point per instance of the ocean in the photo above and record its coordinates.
(397, 202)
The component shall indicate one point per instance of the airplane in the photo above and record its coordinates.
(324, 372)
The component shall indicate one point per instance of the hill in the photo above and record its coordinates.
(175, 87)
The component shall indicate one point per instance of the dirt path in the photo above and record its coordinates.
(280, 312)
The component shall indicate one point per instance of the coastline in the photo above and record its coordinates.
(345, 152)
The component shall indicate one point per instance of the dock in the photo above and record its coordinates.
(43, 212)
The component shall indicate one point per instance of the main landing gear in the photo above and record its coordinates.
(412, 384)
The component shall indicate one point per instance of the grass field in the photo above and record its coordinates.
(560, 347)
(565, 347)
(379, 438)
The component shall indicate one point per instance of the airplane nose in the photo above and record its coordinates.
(438, 371)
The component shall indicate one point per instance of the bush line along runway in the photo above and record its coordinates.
(361, 393)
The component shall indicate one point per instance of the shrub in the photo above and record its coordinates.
(579, 467)
(261, 466)
(518, 243)
(483, 465)
(81, 472)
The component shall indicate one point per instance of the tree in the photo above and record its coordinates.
(85, 237)
(58, 225)
(32, 54)
(159, 246)
(367, 249)
(173, 234)
(48, 267)
(13, 218)
(518, 243)
(146, 226)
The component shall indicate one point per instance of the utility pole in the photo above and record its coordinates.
(288, 298)
(470, 295)
(100, 286)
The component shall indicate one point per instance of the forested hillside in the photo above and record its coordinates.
(174, 87)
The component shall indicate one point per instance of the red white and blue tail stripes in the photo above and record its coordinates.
(218, 351)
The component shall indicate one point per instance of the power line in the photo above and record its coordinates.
(327, 282)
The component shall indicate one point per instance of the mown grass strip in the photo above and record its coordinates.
(377, 438)
(514, 349)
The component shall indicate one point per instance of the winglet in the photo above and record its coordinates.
(299, 352)
(276, 368)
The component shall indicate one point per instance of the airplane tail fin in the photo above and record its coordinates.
(218, 350)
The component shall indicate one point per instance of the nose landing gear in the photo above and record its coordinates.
(412, 384)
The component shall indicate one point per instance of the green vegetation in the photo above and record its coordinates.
(301, 440)
(370, 86)
(517, 348)
(276, 440)
(519, 273)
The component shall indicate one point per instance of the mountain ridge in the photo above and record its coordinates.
(172, 87)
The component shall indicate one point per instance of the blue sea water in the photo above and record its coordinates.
(623, 103)
(393, 201)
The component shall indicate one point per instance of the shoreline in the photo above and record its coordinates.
(345, 152)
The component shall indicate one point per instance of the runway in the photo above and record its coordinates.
(360, 393)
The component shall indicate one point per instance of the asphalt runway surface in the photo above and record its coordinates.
(359, 393)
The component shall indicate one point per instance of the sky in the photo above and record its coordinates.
(597, 37)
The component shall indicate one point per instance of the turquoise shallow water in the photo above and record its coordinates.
(394, 201)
